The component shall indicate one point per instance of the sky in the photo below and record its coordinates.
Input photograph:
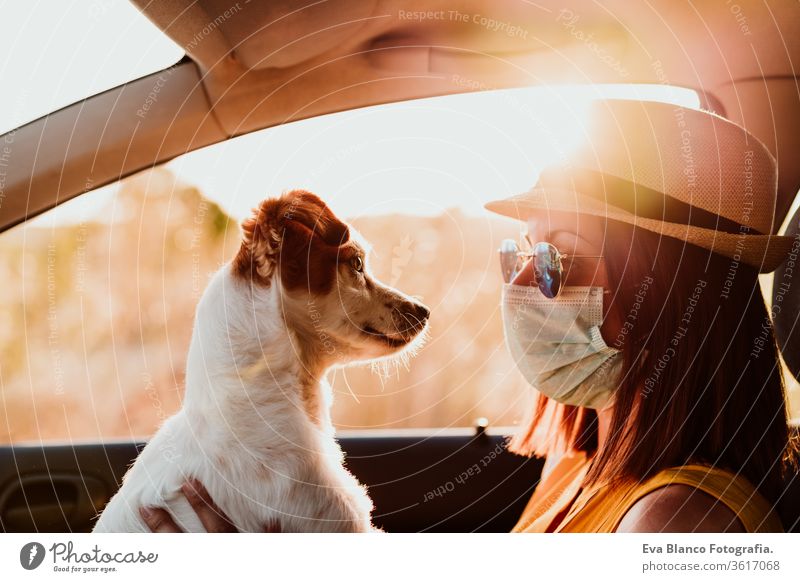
(419, 157)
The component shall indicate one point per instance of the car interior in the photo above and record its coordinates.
(250, 66)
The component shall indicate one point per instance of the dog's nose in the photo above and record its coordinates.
(420, 312)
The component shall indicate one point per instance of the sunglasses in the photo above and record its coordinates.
(548, 268)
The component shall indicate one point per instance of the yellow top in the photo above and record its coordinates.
(600, 509)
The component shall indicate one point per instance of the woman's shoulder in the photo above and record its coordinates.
(697, 498)
(679, 508)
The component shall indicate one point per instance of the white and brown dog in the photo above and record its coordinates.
(255, 427)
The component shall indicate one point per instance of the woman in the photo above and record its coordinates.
(665, 412)
(678, 431)
(637, 316)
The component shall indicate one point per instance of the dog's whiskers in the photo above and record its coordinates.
(412, 326)
(347, 383)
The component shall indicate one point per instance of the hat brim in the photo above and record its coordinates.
(762, 251)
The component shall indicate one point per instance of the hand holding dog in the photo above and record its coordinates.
(213, 519)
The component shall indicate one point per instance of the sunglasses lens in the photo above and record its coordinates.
(547, 268)
(509, 259)
(546, 265)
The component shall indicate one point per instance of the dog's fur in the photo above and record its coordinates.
(255, 427)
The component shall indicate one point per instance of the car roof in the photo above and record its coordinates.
(255, 65)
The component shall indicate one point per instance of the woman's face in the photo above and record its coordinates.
(574, 234)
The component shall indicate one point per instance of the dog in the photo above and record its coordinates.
(297, 300)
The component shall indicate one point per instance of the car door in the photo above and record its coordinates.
(419, 482)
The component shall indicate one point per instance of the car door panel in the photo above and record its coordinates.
(418, 482)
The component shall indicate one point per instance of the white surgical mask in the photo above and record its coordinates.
(557, 345)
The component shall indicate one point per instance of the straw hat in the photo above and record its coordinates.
(683, 173)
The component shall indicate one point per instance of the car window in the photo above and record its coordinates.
(109, 42)
(100, 293)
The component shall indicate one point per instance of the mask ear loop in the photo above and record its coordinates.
(598, 342)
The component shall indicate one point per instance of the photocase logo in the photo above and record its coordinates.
(31, 555)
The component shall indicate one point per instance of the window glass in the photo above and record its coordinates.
(76, 49)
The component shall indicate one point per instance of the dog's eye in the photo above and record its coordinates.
(358, 265)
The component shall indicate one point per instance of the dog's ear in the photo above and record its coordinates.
(296, 233)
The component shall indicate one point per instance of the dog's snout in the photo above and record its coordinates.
(418, 311)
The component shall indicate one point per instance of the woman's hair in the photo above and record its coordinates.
(700, 381)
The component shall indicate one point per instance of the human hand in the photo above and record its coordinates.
(210, 515)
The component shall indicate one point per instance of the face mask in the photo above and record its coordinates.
(556, 343)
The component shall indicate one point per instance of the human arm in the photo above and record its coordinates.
(679, 509)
